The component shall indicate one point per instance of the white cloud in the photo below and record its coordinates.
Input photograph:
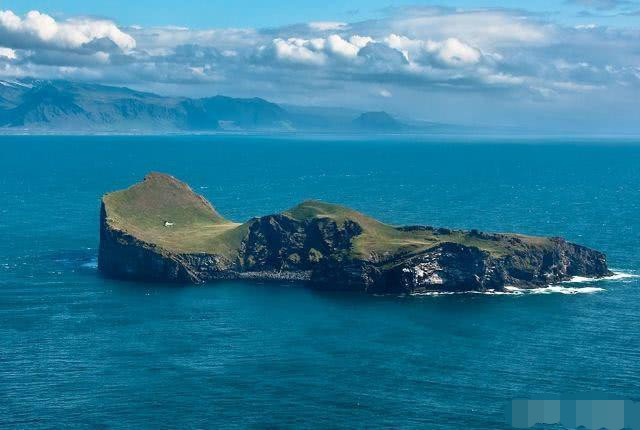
(8, 53)
(360, 41)
(446, 53)
(487, 29)
(314, 51)
(339, 46)
(503, 79)
(327, 25)
(586, 26)
(408, 53)
(102, 57)
(456, 53)
(301, 51)
(450, 52)
(37, 28)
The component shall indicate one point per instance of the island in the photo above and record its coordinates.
(160, 230)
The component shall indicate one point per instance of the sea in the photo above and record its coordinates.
(78, 350)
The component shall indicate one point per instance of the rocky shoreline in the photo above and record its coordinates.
(325, 246)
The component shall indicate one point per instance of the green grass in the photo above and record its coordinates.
(380, 241)
(143, 209)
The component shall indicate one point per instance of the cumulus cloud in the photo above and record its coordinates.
(339, 46)
(450, 52)
(38, 29)
(317, 51)
(453, 52)
(380, 55)
(296, 50)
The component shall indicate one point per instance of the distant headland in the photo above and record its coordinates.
(160, 230)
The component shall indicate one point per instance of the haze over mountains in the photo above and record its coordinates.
(60, 106)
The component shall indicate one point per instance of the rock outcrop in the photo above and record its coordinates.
(160, 230)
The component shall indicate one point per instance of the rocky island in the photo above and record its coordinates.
(160, 230)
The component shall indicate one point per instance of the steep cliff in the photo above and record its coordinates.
(160, 230)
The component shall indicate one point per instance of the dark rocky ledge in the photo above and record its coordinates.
(160, 230)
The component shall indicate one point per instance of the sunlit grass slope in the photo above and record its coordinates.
(164, 211)
(381, 240)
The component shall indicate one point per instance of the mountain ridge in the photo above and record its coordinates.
(60, 106)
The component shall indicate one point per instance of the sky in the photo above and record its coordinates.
(568, 65)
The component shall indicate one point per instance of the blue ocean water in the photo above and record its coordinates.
(80, 351)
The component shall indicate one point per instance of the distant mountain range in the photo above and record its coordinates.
(58, 106)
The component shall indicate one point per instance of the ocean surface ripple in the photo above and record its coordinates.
(81, 351)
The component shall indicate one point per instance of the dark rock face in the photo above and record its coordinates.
(280, 242)
(123, 256)
(318, 251)
(455, 267)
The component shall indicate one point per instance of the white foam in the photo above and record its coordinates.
(515, 291)
(615, 277)
(554, 289)
(93, 264)
(561, 288)
(557, 289)
(457, 293)
(622, 275)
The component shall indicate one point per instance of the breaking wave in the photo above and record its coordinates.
(555, 289)
(617, 276)
(561, 288)
(514, 291)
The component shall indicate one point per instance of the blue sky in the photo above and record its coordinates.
(264, 13)
(550, 66)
